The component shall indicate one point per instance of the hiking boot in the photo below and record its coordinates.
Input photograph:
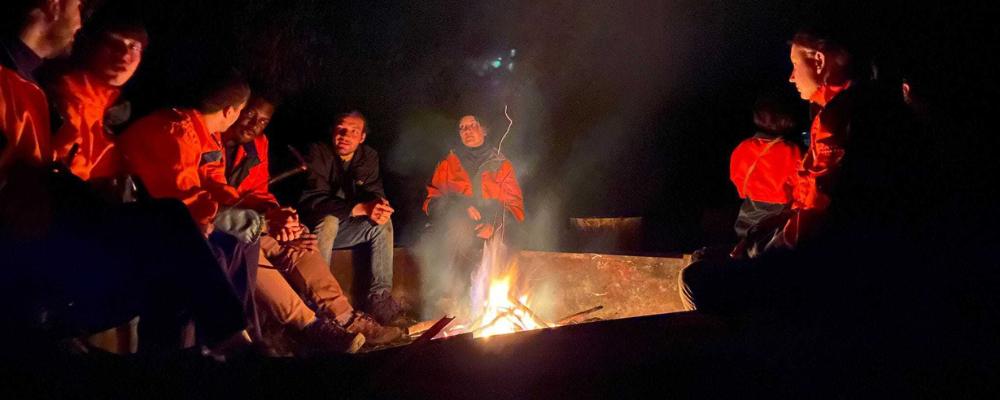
(384, 309)
(326, 336)
(374, 332)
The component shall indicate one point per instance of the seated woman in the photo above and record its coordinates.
(473, 198)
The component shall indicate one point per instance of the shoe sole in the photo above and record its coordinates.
(356, 343)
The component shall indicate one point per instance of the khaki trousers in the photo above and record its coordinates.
(281, 273)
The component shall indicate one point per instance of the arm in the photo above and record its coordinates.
(436, 189)
(258, 194)
(165, 156)
(510, 191)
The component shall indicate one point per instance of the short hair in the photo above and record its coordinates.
(109, 21)
(353, 113)
(773, 114)
(229, 90)
(16, 13)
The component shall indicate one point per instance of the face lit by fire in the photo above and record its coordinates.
(251, 123)
(66, 19)
(807, 69)
(471, 132)
(116, 58)
(348, 135)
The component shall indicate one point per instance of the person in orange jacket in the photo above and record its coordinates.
(473, 198)
(289, 258)
(177, 152)
(72, 259)
(42, 33)
(83, 94)
(763, 168)
(478, 177)
(821, 71)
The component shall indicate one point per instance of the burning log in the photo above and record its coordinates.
(530, 313)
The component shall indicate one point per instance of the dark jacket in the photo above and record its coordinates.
(334, 190)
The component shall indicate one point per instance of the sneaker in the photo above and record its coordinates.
(384, 309)
(374, 332)
(326, 336)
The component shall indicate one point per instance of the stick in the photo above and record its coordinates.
(531, 313)
(566, 319)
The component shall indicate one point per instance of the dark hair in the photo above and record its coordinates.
(16, 13)
(352, 113)
(773, 114)
(107, 21)
(229, 90)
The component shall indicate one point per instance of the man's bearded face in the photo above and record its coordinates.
(348, 135)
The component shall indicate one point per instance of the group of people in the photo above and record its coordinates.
(166, 222)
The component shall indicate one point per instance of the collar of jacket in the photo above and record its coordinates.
(827, 92)
(16, 55)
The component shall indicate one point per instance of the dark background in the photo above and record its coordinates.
(619, 108)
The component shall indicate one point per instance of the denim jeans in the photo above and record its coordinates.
(336, 234)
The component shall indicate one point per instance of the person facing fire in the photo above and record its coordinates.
(83, 94)
(345, 204)
(763, 168)
(822, 73)
(473, 196)
(289, 255)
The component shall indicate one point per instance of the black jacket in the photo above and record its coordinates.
(333, 190)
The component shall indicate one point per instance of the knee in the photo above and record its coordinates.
(385, 229)
(328, 225)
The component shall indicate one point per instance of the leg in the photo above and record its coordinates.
(279, 299)
(310, 274)
(356, 231)
(326, 232)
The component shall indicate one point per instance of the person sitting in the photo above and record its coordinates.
(763, 169)
(473, 197)
(287, 260)
(346, 206)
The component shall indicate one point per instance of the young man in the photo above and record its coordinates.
(346, 205)
(83, 93)
(287, 261)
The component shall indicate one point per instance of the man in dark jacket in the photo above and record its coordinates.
(345, 204)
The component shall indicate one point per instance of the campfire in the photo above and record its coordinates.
(503, 311)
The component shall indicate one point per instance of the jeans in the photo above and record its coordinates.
(336, 234)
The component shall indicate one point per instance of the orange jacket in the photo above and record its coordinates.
(82, 101)
(24, 121)
(764, 169)
(826, 150)
(252, 157)
(174, 155)
(450, 178)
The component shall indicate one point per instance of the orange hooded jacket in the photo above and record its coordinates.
(24, 121)
(451, 178)
(174, 155)
(82, 102)
(253, 183)
(764, 169)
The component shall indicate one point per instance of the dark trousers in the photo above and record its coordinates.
(75, 264)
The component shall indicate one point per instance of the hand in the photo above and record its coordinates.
(378, 210)
(473, 213)
(307, 242)
(484, 231)
(207, 229)
(283, 224)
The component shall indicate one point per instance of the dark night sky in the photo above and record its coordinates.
(620, 108)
